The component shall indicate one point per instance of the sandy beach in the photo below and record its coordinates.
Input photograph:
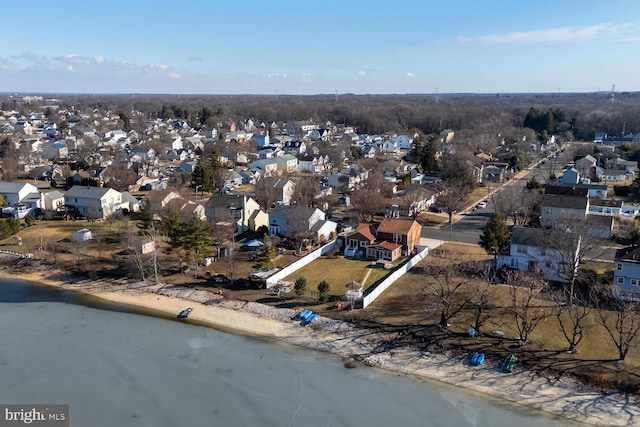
(565, 398)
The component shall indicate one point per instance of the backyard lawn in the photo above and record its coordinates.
(338, 272)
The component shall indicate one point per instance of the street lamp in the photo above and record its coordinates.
(196, 191)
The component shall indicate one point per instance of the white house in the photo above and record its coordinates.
(284, 189)
(21, 198)
(93, 202)
(552, 253)
(53, 200)
(300, 222)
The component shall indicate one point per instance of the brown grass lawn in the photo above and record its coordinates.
(338, 272)
(401, 309)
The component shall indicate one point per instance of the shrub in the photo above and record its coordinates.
(323, 291)
(301, 286)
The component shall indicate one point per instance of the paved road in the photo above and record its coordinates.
(468, 225)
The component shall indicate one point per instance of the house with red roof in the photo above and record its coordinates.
(388, 240)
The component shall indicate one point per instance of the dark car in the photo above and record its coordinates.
(436, 209)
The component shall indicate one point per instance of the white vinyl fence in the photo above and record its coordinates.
(382, 286)
(290, 269)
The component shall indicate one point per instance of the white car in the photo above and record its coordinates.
(482, 205)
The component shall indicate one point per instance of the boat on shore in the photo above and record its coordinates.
(185, 313)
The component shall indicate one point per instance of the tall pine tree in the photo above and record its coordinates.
(495, 236)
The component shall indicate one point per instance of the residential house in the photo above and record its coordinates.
(552, 253)
(560, 211)
(613, 175)
(53, 200)
(405, 232)
(629, 166)
(300, 222)
(593, 190)
(287, 163)
(55, 151)
(570, 176)
(284, 190)
(186, 208)
(188, 166)
(244, 211)
(387, 240)
(626, 273)
(93, 202)
(606, 207)
(129, 202)
(413, 201)
(265, 167)
(403, 142)
(314, 164)
(159, 199)
(494, 172)
(356, 243)
(294, 147)
(584, 164)
(21, 198)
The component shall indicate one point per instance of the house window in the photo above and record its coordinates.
(634, 282)
(397, 238)
(619, 267)
(363, 244)
(521, 250)
(620, 280)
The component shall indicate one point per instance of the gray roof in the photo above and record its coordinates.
(88, 192)
(564, 201)
(538, 237)
(11, 187)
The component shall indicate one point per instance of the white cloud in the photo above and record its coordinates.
(553, 35)
(362, 73)
(410, 74)
(69, 67)
(174, 75)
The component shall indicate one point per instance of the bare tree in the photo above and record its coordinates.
(448, 290)
(481, 299)
(572, 319)
(525, 305)
(516, 203)
(266, 191)
(305, 191)
(621, 320)
(222, 228)
(371, 198)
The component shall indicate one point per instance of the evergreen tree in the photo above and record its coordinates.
(301, 286)
(323, 291)
(534, 184)
(196, 237)
(146, 216)
(495, 236)
(266, 256)
(173, 228)
(204, 173)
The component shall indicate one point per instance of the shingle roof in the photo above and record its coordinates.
(564, 201)
(395, 225)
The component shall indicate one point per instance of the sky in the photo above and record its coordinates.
(305, 47)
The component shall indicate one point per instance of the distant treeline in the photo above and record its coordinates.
(578, 115)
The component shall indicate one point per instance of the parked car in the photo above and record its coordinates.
(436, 209)
(482, 205)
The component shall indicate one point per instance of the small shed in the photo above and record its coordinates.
(81, 235)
